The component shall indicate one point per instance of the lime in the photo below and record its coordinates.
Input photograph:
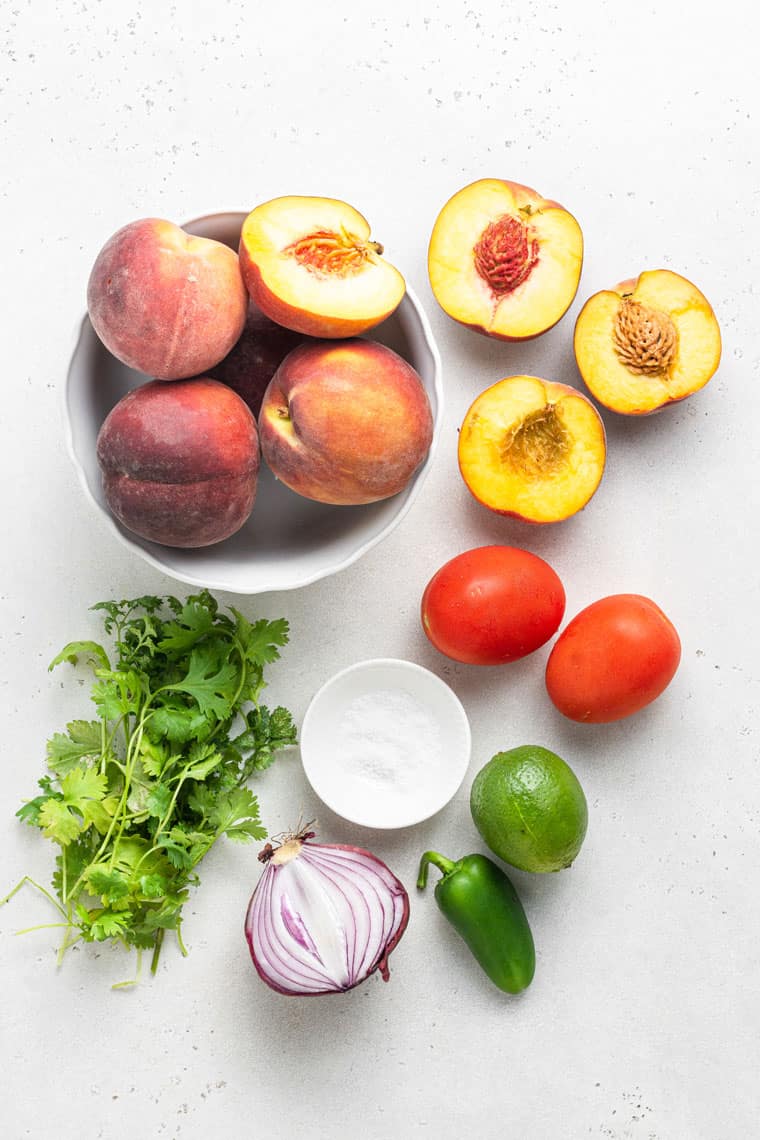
(530, 809)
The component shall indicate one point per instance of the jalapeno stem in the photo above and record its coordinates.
(444, 865)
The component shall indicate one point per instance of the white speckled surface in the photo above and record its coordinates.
(642, 119)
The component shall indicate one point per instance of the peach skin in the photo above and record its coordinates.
(180, 461)
(166, 303)
(345, 422)
(310, 265)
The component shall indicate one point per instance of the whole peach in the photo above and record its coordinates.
(345, 422)
(180, 461)
(254, 359)
(164, 302)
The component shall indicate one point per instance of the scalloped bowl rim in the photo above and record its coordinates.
(307, 578)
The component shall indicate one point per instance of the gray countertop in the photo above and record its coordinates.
(642, 1019)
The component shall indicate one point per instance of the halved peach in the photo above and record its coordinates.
(532, 448)
(310, 265)
(503, 260)
(648, 342)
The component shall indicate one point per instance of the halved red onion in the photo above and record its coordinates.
(323, 917)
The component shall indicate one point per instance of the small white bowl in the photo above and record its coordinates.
(385, 743)
(288, 541)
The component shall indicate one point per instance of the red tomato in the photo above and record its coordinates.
(614, 658)
(492, 605)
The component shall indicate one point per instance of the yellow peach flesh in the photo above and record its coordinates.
(351, 292)
(696, 356)
(568, 445)
(538, 301)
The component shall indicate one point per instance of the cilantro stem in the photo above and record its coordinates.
(131, 981)
(45, 926)
(65, 879)
(177, 685)
(243, 671)
(157, 949)
(168, 813)
(37, 886)
(120, 814)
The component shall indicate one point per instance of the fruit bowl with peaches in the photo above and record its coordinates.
(253, 400)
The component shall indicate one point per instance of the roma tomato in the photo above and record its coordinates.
(613, 658)
(492, 605)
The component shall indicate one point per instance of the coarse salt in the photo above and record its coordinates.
(388, 747)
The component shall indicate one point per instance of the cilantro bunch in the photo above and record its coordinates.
(135, 798)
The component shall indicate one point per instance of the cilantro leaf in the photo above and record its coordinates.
(65, 817)
(204, 758)
(176, 723)
(157, 801)
(260, 640)
(82, 784)
(211, 681)
(154, 756)
(100, 812)
(82, 738)
(117, 693)
(71, 864)
(177, 853)
(266, 733)
(166, 917)
(108, 924)
(59, 823)
(153, 886)
(30, 811)
(236, 815)
(95, 654)
(195, 620)
(111, 885)
(202, 800)
(119, 613)
(136, 797)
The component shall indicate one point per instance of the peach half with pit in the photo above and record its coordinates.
(648, 342)
(532, 449)
(310, 265)
(345, 422)
(503, 260)
(180, 461)
(164, 302)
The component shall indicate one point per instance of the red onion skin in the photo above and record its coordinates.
(382, 962)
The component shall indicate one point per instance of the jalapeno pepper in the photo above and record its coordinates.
(482, 905)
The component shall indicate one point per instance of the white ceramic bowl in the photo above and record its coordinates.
(385, 743)
(288, 541)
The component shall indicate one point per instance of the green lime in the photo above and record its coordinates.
(530, 809)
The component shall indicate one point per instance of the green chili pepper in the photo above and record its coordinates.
(482, 905)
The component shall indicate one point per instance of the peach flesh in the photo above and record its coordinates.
(649, 342)
(180, 461)
(532, 449)
(345, 422)
(331, 253)
(504, 261)
(310, 265)
(164, 302)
